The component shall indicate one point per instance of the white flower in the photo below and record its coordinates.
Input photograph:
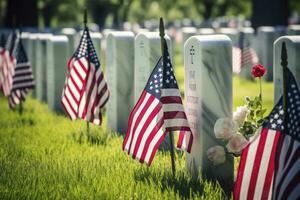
(216, 154)
(225, 128)
(240, 115)
(236, 143)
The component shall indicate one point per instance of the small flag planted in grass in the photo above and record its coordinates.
(270, 164)
(243, 55)
(85, 91)
(8, 64)
(158, 111)
(23, 79)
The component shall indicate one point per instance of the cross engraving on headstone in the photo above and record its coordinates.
(192, 53)
(142, 45)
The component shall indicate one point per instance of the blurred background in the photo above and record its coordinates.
(145, 13)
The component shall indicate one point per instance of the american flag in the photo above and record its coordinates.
(158, 111)
(23, 78)
(8, 64)
(85, 91)
(270, 165)
(243, 55)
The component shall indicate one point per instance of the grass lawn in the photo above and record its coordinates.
(46, 156)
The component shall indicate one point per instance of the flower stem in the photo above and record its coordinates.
(260, 96)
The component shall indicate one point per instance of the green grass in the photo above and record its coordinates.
(46, 156)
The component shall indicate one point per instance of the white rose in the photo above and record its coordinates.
(224, 128)
(240, 115)
(216, 154)
(236, 143)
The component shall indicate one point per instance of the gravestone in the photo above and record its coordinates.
(293, 52)
(232, 33)
(41, 66)
(208, 97)
(120, 79)
(71, 34)
(187, 32)
(206, 31)
(32, 43)
(25, 40)
(294, 29)
(147, 51)
(57, 49)
(266, 36)
(248, 34)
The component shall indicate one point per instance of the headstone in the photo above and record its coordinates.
(206, 31)
(293, 52)
(294, 29)
(147, 51)
(32, 43)
(25, 41)
(41, 66)
(208, 96)
(187, 32)
(71, 34)
(57, 48)
(266, 36)
(232, 33)
(248, 34)
(120, 79)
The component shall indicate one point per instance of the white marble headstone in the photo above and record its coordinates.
(232, 33)
(71, 34)
(147, 51)
(41, 66)
(206, 31)
(120, 79)
(187, 32)
(57, 59)
(294, 29)
(293, 52)
(208, 97)
(265, 38)
(32, 56)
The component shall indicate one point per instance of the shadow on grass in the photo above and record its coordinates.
(182, 184)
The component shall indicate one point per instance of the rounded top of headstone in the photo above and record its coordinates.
(59, 38)
(290, 38)
(189, 30)
(33, 36)
(25, 35)
(151, 35)
(96, 35)
(209, 39)
(68, 31)
(206, 31)
(266, 29)
(294, 27)
(44, 36)
(228, 31)
(121, 34)
(247, 30)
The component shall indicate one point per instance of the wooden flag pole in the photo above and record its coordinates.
(284, 64)
(162, 39)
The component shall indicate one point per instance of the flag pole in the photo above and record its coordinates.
(162, 39)
(284, 64)
(85, 25)
(21, 102)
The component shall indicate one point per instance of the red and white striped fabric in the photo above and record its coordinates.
(256, 170)
(270, 164)
(243, 57)
(158, 111)
(85, 91)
